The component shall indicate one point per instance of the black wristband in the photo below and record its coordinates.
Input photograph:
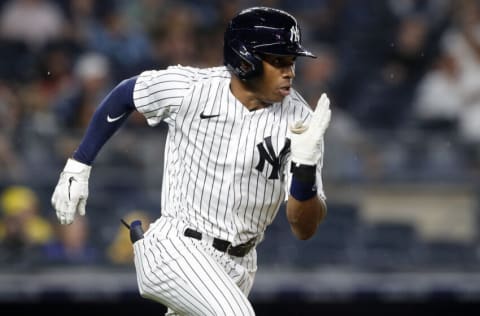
(304, 173)
(303, 185)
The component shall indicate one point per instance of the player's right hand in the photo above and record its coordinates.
(71, 193)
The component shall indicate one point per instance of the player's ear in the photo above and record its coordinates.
(245, 67)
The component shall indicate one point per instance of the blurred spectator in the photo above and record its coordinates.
(120, 251)
(125, 47)
(449, 93)
(11, 115)
(145, 15)
(386, 97)
(92, 74)
(71, 245)
(34, 21)
(174, 38)
(438, 102)
(23, 230)
(81, 15)
(11, 166)
(364, 33)
(464, 44)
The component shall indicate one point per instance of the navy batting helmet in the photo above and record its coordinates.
(260, 30)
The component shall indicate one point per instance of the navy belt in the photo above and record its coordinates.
(224, 245)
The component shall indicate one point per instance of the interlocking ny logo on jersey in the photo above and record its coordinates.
(267, 153)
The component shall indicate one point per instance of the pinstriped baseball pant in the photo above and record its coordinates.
(189, 276)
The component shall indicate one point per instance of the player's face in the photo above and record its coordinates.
(276, 80)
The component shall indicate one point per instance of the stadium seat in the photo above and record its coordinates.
(448, 254)
(388, 246)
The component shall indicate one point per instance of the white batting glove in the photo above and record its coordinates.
(306, 139)
(71, 193)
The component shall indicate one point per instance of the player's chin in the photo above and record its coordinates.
(273, 97)
(277, 97)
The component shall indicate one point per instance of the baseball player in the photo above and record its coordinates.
(241, 141)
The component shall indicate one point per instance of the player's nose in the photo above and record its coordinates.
(288, 71)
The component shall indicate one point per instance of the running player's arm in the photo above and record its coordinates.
(306, 206)
(155, 94)
(71, 192)
(305, 210)
(305, 216)
(112, 112)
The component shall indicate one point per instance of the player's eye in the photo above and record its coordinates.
(281, 61)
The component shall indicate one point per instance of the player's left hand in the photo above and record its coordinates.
(71, 193)
(306, 139)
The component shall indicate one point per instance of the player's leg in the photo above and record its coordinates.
(241, 270)
(183, 277)
(159, 283)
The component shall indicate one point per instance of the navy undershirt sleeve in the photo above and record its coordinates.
(107, 119)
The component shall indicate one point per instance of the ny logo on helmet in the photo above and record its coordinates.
(294, 34)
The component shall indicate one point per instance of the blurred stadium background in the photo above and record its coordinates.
(401, 170)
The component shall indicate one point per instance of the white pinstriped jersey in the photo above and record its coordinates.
(226, 168)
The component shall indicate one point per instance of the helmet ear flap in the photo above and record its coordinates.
(244, 63)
